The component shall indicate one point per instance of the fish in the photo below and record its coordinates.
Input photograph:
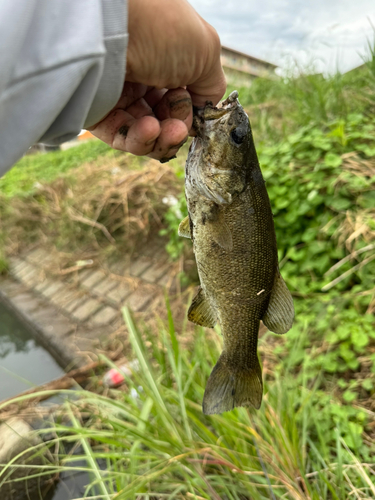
(230, 223)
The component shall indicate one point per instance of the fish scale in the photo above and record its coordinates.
(244, 270)
(231, 225)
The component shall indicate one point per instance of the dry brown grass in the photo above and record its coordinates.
(356, 227)
(353, 163)
(97, 211)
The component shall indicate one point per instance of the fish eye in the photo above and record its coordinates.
(238, 135)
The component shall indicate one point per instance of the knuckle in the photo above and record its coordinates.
(214, 40)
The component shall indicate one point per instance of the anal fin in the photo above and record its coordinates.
(280, 313)
(201, 312)
(184, 228)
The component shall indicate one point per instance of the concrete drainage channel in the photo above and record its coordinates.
(72, 313)
(67, 317)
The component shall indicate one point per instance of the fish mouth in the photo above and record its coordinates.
(231, 101)
(211, 112)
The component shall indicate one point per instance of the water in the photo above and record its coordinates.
(24, 364)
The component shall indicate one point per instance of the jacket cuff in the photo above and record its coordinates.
(115, 39)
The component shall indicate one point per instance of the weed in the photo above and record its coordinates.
(27, 175)
(302, 443)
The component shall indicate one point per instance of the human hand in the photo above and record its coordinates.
(173, 62)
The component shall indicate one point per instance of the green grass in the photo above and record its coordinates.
(22, 179)
(157, 443)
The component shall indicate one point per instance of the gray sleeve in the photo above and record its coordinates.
(62, 68)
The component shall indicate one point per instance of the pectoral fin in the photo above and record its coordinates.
(280, 313)
(184, 228)
(201, 312)
(221, 234)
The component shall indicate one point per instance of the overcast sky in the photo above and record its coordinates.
(331, 32)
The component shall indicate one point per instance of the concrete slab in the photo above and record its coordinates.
(95, 332)
(65, 296)
(82, 275)
(166, 280)
(42, 285)
(93, 278)
(47, 316)
(155, 249)
(120, 293)
(26, 302)
(86, 347)
(33, 278)
(139, 299)
(61, 328)
(87, 309)
(52, 289)
(120, 268)
(74, 304)
(105, 286)
(156, 271)
(22, 270)
(105, 316)
(10, 287)
(16, 264)
(51, 330)
(139, 266)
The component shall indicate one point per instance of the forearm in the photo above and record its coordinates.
(62, 66)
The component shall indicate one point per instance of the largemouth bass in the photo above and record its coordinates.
(231, 225)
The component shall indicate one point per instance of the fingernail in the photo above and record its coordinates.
(181, 108)
(148, 143)
(165, 160)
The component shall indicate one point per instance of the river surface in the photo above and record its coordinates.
(24, 364)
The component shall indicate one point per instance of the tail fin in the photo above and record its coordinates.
(227, 388)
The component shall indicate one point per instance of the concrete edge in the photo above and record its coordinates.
(64, 354)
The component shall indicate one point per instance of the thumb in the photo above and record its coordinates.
(210, 83)
(209, 87)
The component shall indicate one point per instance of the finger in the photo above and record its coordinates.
(173, 135)
(211, 88)
(154, 96)
(131, 93)
(118, 122)
(211, 84)
(139, 138)
(140, 108)
(176, 103)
